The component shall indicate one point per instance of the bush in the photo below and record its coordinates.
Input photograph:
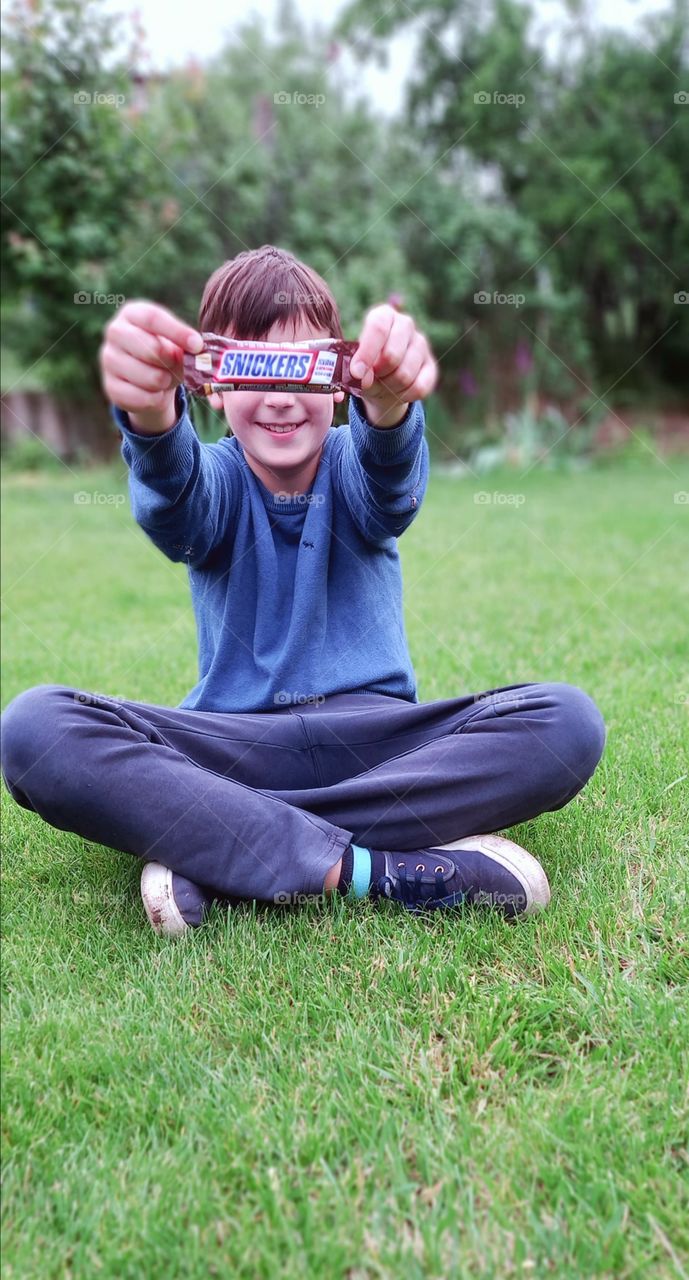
(547, 439)
(28, 453)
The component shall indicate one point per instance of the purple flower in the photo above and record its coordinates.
(523, 359)
(396, 300)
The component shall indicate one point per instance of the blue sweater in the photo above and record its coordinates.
(294, 600)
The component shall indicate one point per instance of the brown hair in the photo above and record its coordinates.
(248, 294)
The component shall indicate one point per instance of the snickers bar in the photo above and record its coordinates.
(320, 365)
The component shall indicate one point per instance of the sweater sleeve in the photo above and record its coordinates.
(183, 494)
(383, 473)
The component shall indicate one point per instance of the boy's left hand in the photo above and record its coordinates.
(395, 365)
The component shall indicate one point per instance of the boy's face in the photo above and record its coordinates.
(284, 461)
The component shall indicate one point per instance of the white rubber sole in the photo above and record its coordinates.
(521, 864)
(159, 902)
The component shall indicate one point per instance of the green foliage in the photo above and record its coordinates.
(122, 201)
(638, 447)
(527, 438)
(27, 453)
(569, 211)
(586, 206)
(69, 176)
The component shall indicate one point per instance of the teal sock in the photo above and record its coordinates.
(356, 882)
(361, 871)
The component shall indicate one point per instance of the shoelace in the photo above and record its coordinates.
(410, 892)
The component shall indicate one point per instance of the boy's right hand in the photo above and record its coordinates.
(141, 363)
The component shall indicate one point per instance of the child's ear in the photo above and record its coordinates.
(215, 401)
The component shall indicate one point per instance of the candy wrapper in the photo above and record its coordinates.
(320, 365)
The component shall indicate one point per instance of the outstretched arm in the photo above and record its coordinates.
(184, 494)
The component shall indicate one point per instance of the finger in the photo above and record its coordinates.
(377, 326)
(418, 374)
(157, 320)
(424, 383)
(406, 374)
(137, 342)
(134, 399)
(157, 352)
(152, 378)
(401, 339)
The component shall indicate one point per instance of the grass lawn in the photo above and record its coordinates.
(344, 1092)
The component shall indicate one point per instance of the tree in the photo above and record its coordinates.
(583, 149)
(69, 179)
(145, 194)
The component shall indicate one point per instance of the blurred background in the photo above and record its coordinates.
(513, 174)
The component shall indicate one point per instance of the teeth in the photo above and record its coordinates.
(281, 430)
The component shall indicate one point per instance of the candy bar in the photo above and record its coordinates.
(227, 364)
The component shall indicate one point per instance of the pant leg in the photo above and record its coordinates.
(181, 787)
(255, 805)
(404, 776)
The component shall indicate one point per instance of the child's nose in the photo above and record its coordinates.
(279, 399)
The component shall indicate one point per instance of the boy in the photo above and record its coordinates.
(302, 761)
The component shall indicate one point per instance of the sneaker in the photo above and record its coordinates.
(484, 870)
(173, 904)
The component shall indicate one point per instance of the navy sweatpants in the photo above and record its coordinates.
(261, 804)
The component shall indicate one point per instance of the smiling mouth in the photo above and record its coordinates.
(280, 428)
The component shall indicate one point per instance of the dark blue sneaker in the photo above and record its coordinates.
(483, 870)
(173, 904)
